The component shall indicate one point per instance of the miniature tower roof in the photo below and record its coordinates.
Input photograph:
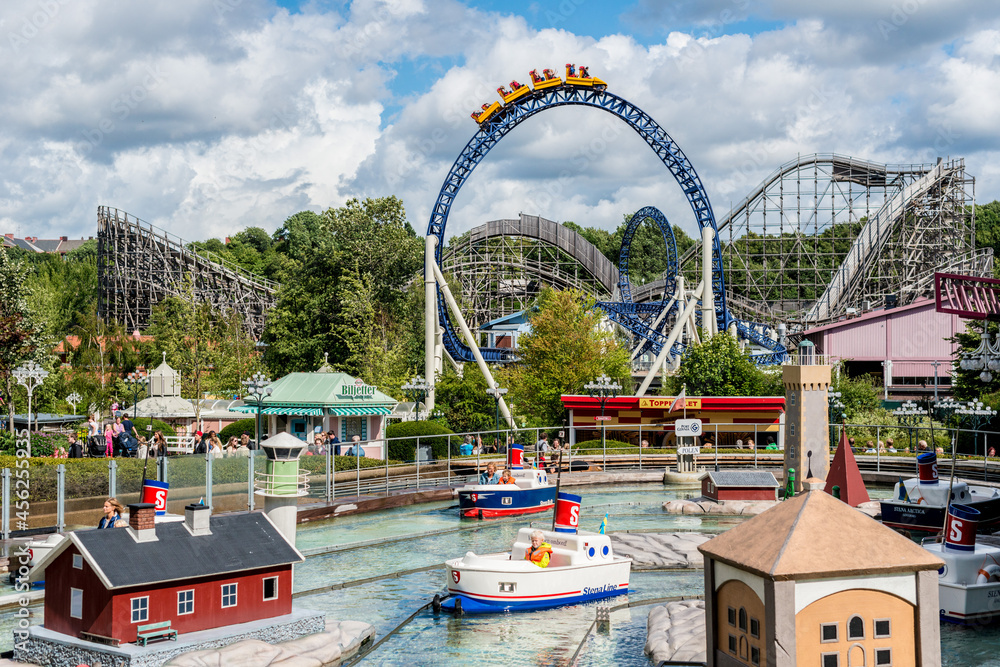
(845, 474)
(164, 380)
(794, 540)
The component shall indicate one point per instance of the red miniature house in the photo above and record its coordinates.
(196, 574)
(739, 485)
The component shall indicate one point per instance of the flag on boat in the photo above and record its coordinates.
(903, 495)
(604, 523)
(678, 403)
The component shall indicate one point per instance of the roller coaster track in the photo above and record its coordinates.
(510, 116)
(139, 264)
(884, 228)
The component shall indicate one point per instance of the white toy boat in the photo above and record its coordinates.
(969, 582)
(582, 567)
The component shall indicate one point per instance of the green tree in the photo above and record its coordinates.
(859, 395)
(565, 350)
(349, 298)
(20, 329)
(718, 367)
(464, 401)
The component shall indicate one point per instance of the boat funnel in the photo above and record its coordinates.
(927, 464)
(567, 512)
(960, 530)
(155, 493)
(515, 457)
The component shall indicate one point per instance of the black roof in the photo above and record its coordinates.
(724, 478)
(238, 542)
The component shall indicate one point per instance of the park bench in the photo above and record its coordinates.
(155, 631)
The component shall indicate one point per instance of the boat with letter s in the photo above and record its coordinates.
(920, 504)
(531, 492)
(582, 566)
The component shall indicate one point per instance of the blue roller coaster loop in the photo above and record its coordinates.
(509, 117)
(630, 315)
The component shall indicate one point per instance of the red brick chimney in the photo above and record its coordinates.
(141, 521)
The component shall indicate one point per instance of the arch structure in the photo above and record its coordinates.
(502, 265)
(496, 126)
(825, 233)
(139, 264)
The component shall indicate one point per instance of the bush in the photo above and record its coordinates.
(406, 450)
(238, 427)
(142, 422)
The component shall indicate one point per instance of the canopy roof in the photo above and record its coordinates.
(322, 393)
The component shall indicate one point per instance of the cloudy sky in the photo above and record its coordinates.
(207, 116)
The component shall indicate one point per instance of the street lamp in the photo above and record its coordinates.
(985, 358)
(909, 415)
(836, 410)
(257, 389)
(416, 387)
(604, 388)
(976, 414)
(136, 380)
(74, 399)
(497, 393)
(29, 376)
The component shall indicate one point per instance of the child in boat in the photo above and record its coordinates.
(506, 478)
(539, 551)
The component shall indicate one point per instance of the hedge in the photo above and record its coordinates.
(142, 422)
(238, 427)
(406, 449)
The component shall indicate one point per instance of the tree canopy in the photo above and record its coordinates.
(718, 367)
(565, 349)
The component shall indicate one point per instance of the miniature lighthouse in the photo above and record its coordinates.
(807, 440)
(281, 485)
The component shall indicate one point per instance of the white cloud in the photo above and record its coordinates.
(204, 121)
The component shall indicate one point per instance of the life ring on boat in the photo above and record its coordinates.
(920, 500)
(988, 573)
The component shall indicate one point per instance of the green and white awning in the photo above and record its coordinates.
(360, 411)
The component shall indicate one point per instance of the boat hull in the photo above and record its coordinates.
(930, 518)
(494, 501)
(969, 605)
(500, 590)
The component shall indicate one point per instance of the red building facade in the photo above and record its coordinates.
(109, 582)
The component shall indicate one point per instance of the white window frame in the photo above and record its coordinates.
(189, 603)
(142, 609)
(875, 633)
(77, 562)
(850, 637)
(76, 596)
(263, 590)
(823, 626)
(234, 595)
(823, 656)
(879, 650)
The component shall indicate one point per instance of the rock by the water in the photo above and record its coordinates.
(707, 506)
(658, 550)
(675, 632)
(340, 640)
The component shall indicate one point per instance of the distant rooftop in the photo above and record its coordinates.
(61, 245)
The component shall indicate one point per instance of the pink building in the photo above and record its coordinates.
(899, 345)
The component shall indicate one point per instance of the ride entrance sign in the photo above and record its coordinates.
(687, 427)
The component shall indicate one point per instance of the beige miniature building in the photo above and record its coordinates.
(814, 582)
(807, 437)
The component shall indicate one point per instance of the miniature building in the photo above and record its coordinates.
(196, 574)
(784, 588)
(845, 475)
(725, 485)
(807, 440)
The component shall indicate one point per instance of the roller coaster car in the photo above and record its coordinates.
(581, 77)
(484, 115)
(547, 80)
(517, 90)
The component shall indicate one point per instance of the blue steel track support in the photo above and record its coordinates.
(507, 118)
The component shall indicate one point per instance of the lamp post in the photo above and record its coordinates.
(29, 376)
(985, 358)
(604, 388)
(136, 380)
(975, 414)
(415, 388)
(257, 389)
(935, 364)
(497, 393)
(74, 399)
(909, 415)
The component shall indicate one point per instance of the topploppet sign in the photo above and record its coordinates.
(687, 427)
